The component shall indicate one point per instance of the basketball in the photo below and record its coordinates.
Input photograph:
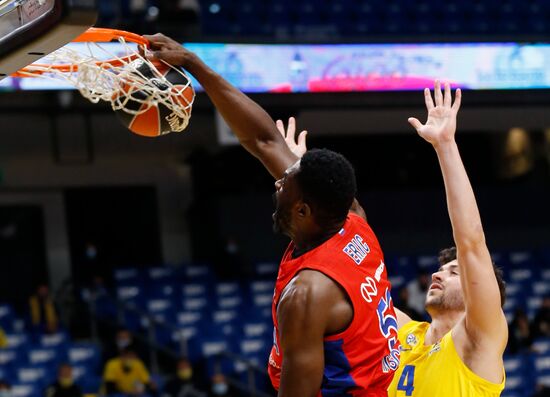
(153, 119)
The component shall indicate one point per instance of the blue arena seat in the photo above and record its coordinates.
(257, 329)
(130, 293)
(11, 358)
(161, 309)
(40, 376)
(127, 276)
(196, 304)
(260, 286)
(228, 289)
(160, 274)
(84, 354)
(541, 288)
(266, 269)
(25, 390)
(541, 345)
(6, 317)
(195, 273)
(58, 340)
(44, 356)
(19, 341)
(542, 364)
(230, 302)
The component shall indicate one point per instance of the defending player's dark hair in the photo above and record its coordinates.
(327, 182)
(449, 254)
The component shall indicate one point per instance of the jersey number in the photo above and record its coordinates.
(388, 323)
(406, 382)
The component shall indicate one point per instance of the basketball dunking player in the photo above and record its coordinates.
(335, 327)
(460, 352)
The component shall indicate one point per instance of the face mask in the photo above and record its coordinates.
(219, 389)
(122, 343)
(185, 374)
(65, 382)
(91, 252)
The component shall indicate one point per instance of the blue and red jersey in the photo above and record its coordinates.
(361, 360)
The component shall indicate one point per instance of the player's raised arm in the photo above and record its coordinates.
(254, 128)
(485, 319)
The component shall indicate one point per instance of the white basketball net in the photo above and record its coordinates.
(101, 75)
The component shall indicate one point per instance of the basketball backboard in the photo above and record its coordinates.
(30, 29)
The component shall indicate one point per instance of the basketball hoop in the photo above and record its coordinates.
(101, 75)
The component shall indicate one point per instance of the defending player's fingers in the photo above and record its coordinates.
(428, 99)
(438, 95)
(291, 130)
(458, 100)
(417, 125)
(281, 127)
(302, 142)
(448, 99)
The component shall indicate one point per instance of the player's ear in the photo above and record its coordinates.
(303, 209)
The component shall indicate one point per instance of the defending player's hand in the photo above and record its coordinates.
(441, 124)
(297, 147)
(168, 50)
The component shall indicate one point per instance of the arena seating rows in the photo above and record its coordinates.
(363, 18)
(354, 19)
(30, 363)
(236, 316)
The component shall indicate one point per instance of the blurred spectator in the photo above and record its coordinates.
(98, 288)
(182, 385)
(520, 335)
(126, 374)
(64, 385)
(124, 340)
(220, 387)
(404, 305)
(42, 311)
(3, 339)
(5, 389)
(542, 391)
(417, 290)
(541, 323)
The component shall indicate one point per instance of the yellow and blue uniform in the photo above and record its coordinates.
(435, 370)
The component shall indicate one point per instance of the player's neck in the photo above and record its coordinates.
(309, 241)
(441, 324)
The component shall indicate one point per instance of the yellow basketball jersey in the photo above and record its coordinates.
(435, 370)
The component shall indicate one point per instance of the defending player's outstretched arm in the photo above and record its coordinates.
(254, 128)
(484, 323)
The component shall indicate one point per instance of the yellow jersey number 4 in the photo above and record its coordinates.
(406, 382)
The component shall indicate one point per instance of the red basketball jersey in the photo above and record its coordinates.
(361, 360)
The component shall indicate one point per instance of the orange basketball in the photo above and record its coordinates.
(156, 119)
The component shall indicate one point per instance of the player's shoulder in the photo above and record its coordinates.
(310, 287)
(413, 327)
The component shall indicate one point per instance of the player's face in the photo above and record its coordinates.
(284, 198)
(445, 292)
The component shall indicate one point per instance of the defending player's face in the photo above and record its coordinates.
(284, 197)
(445, 292)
